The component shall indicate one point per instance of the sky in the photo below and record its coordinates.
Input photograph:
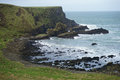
(71, 5)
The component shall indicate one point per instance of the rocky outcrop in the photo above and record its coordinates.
(79, 28)
(95, 31)
(37, 20)
(49, 16)
(32, 19)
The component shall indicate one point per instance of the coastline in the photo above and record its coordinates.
(30, 22)
(17, 55)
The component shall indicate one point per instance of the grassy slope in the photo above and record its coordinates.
(10, 70)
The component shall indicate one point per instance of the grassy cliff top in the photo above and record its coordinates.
(45, 7)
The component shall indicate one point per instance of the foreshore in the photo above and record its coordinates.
(20, 49)
(13, 52)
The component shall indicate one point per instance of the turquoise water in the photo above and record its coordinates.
(107, 44)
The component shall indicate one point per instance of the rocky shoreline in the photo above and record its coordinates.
(31, 51)
(22, 49)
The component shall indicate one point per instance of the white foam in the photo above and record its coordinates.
(75, 52)
(90, 26)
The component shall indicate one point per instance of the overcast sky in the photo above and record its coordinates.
(71, 5)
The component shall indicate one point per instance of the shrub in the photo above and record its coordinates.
(59, 28)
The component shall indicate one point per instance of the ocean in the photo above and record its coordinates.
(107, 48)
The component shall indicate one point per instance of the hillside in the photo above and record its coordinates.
(24, 19)
(49, 16)
(19, 21)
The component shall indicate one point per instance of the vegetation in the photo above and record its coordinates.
(49, 16)
(19, 25)
(15, 18)
(59, 28)
(67, 35)
(41, 36)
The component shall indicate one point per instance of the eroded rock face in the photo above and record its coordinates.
(49, 16)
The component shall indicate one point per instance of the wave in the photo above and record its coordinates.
(56, 52)
(90, 26)
(87, 36)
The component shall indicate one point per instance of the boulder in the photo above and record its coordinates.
(94, 44)
(96, 58)
(111, 56)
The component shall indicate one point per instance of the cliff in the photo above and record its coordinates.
(27, 19)
(49, 16)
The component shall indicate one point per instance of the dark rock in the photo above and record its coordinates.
(93, 65)
(86, 52)
(94, 44)
(73, 51)
(96, 58)
(87, 65)
(103, 57)
(94, 31)
(96, 62)
(111, 56)
(28, 50)
(86, 59)
(39, 30)
(117, 62)
(40, 59)
(60, 52)
(99, 64)
(79, 28)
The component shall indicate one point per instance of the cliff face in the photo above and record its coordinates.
(26, 19)
(49, 16)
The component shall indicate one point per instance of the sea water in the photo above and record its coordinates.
(107, 44)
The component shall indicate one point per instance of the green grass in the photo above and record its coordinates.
(11, 70)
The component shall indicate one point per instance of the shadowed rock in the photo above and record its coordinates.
(94, 44)
(95, 31)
